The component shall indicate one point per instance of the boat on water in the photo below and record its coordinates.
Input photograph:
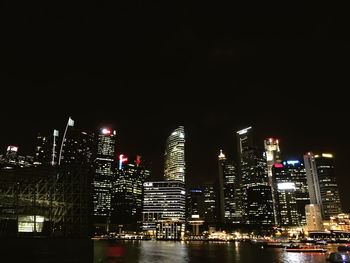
(299, 248)
(276, 244)
(344, 247)
(339, 257)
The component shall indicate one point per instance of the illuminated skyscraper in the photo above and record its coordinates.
(272, 152)
(323, 187)
(102, 181)
(221, 203)
(195, 203)
(295, 169)
(227, 190)
(127, 194)
(174, 156)
(164, 201)
(259, 206)
(252, 173)
(285, 196)
(211, 206)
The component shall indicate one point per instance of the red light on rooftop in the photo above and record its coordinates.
(138, 160)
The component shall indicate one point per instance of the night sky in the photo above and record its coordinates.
(145, 68)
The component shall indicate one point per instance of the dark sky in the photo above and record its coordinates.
(146, 68)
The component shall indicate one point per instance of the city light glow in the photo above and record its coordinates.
(286, 186)
(122, 160)
(106, 131)
(12, 148)
(293, 162)
(244, 131)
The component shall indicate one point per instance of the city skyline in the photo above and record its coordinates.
(157, 171)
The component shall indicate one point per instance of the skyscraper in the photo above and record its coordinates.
(102, 181)
(127, 194)
(252, 173)
(163, 200)
(227, 190)
(285, 196)
(322, 183)
(211, 204)
(221, 203)
(272, 152)
(295, 169)
(174, 156)
(195, 203)
(259, 206)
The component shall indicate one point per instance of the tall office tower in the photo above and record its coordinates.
(272, 153)
(221, 203)
(323, 187)
(46, 150)
(252, 173)
(163, 201)
(174, 156)
(227, 189)
(259, 204)
(102, 181)
(195, 203)
(295, 170)
(127, 194)
(285, 196)
(211, 206)
(195, 210)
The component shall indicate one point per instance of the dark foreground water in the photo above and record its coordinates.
(146, 251)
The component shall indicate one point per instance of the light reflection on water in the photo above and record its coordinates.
(196, 252)
(159, 251)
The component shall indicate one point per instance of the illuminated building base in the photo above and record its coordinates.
(30, 224)
(169, 229)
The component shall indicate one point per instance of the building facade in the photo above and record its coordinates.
(211, 214)
(313, 217)
(273, 156)
(195, 203)
(252, 173)
(228, 183)
(260, 207)
(291, 192)
(163, 200)
(174, 156)
(323, 187)
(287, 214)
(103, 177)
(127, 195)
